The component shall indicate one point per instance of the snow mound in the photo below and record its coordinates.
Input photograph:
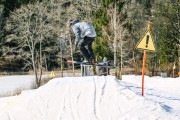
(82, 98)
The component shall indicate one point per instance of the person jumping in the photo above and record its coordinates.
(84, 37)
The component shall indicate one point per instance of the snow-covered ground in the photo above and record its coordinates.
(12, 85)
(163, 91)
(96, 98)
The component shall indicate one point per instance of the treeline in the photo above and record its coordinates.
(32, 32)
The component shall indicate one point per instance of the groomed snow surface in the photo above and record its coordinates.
(96, 98)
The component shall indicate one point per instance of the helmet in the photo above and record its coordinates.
(72, 22)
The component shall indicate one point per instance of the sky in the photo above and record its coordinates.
(94, 98)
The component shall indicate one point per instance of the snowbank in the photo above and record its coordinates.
(83, 98)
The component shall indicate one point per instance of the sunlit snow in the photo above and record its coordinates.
(96, 98)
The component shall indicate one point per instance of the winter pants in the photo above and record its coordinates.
(85, 46)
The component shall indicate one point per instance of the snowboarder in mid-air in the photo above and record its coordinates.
(84, 37)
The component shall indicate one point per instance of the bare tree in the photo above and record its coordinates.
(85, 8)
(33, 26)
(71, 46)
(30, 27)
(119, 36)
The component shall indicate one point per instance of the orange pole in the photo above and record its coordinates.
(144, 63)
(143, 69)
(148, 27)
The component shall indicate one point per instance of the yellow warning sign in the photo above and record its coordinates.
(146, 42)
(52, 75)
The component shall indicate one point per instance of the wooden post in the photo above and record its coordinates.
(174, 67)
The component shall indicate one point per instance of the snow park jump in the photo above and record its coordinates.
(82, 98)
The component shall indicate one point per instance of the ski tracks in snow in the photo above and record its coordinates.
(90, 98)
(158, 97)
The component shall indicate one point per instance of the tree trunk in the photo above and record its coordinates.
(34, 67)
(40, 63)
(72, 58)
(115, 41)
(61, 63)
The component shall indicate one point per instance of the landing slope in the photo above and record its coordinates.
(82, 98)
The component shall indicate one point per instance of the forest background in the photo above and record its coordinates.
(33, 35)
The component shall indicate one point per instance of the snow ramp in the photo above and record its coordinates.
(82, 98)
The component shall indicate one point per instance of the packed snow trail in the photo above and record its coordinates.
(82, 98)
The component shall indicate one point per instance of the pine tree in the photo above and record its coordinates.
(166, 28)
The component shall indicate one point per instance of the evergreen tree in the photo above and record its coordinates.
(100, 47)
(166, 28)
